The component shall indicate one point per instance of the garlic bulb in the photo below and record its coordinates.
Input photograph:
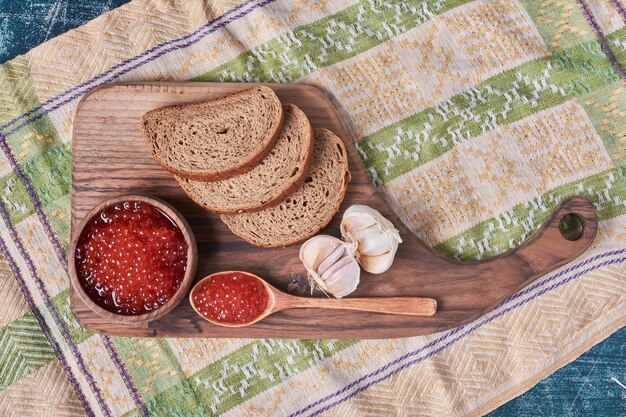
(331, 264)
(375, 237)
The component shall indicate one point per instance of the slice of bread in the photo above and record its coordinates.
(309, 208)
(276, 176)
(216, 139)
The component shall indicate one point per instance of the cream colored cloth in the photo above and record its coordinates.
(475, 117)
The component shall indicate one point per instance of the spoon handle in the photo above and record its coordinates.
(407, 306)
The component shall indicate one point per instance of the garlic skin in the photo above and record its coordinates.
(331, 264)
(375, 237)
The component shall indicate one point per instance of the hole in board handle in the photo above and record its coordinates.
(571, 227)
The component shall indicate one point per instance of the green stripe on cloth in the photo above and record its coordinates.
(151, 364)
(256, 367)
(58, 214)
(618, 46)
(502, 99)
(606, 109)
(492, 237)
(61, 303)
(15, 198)
(241, 375)
(17, 93)
(51, 172)
(50, 175)
(23, 349)
(562, 26)
(17, 96)
(34, 139)
(178, 400)
(329, 40)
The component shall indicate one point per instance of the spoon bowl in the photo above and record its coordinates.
(269, 291)
(279, 301)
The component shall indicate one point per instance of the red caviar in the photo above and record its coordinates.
(131, 258)
(231, 297)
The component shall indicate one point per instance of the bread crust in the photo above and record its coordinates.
(324, 222)
(223, 174)
(305, 169)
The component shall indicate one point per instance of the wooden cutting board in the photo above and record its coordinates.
(110, 158)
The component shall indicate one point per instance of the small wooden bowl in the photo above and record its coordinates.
(190, 271)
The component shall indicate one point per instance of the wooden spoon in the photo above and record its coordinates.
(279, 301)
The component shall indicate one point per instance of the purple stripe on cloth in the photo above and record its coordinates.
(620, 9)
(28, 184)
(33, 271)
(30, 189)
(45, 328)
(125, 376)
(33, 195)
(26, 181)
(461, 336)
(80, 93)
(596, 28)
(447, 335)
(140, 64)
(558, 275)
(62, 257)
(122, 63)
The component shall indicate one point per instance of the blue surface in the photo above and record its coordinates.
(25, 24)
(593, 385)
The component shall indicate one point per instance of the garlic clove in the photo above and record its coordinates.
(316, 249)
(336, 267)
(375, 236)
(331, 259)
(377, 264)
(371, 242)
(345, 280)
(356, 221)
(330, 264)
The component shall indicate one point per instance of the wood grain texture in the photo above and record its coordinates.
(110, 158)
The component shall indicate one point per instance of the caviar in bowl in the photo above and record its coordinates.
(133, 258)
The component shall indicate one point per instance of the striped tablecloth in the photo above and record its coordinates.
(475, 117)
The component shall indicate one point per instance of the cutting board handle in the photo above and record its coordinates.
(550, 247)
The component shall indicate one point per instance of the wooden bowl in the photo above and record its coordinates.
(190, 270)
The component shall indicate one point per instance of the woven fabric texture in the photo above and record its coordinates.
(476, 118)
